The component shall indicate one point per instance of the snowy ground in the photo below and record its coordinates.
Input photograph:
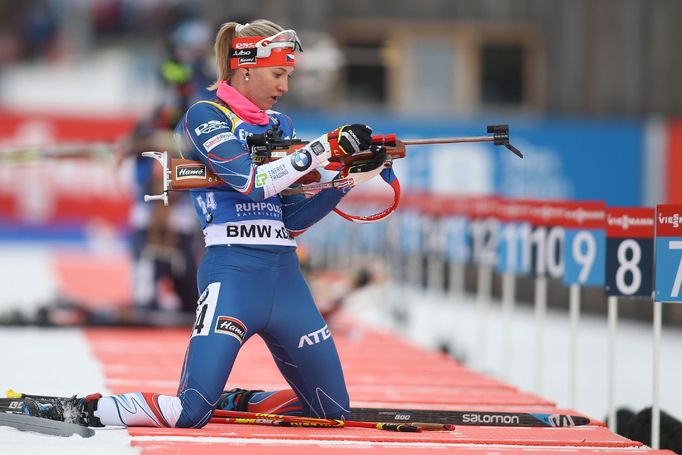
(54, 362)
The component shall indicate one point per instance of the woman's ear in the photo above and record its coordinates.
(243, 73)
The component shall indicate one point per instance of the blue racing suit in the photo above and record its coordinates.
(249, 279)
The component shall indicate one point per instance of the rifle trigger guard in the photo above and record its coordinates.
(162, 158)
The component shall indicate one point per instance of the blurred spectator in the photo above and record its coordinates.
(108, 16)
(164, 238)
(9, 49)
(39, 29)
(186, 72)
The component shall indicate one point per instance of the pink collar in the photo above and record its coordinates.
(241, 105)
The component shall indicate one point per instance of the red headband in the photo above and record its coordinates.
(251, 51)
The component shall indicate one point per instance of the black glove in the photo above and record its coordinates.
(369, 164)
(349, 139)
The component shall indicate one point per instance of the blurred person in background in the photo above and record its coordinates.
(249, 280)
(39, 29)
(164, 243)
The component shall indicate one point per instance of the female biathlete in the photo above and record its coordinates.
(249, 278)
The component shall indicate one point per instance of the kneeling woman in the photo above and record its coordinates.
(249, 278)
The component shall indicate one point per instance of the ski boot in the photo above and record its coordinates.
(235, 399)
(80, 411)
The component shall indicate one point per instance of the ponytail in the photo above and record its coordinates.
(223, 44)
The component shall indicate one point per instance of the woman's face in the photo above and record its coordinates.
(266, 84)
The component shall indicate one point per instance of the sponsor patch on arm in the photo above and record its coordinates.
(218, 139)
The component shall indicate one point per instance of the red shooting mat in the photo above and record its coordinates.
(546, 437)
(381, 370)
(275, 448)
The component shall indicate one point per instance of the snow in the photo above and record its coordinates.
(19, 265)
(54, 362)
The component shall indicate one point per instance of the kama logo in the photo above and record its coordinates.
(261, 179)
(232, 327)
(190, 171)
(301, 160)
(243, 60)
(315, 337)
(209, 126)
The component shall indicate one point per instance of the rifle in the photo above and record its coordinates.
(183, 174)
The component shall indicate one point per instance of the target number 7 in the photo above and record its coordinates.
(676, 245)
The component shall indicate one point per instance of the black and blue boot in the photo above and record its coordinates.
(80, 411)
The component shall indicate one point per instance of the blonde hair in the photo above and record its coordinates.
(223, 43)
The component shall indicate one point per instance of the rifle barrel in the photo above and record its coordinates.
(448, 140)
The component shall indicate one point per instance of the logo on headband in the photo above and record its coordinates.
(247, 60)
(275, 50)
(243, 53)
(244, 45)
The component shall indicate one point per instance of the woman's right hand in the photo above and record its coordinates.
(350, 139)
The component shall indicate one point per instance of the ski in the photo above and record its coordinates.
(43, 414)
(477, 418)
(45, 426)
(14, 402)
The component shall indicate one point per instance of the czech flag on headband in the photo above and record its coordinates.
(275, 50)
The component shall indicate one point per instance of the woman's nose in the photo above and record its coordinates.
(283, 85)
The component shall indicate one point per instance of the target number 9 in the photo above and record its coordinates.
(584, 250)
